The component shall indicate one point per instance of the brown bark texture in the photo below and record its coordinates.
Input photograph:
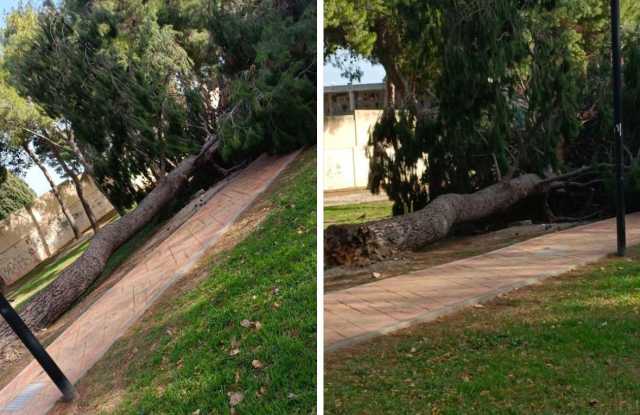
(362, 243)
(78, 185)
(48, 305)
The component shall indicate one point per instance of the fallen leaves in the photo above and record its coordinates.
(234, 349)
(247, 324)
(262, 391)
(257, 364)
(235, 398)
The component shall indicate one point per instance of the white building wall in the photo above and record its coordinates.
(345, 142)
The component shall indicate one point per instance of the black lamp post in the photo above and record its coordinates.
(617, 114)
(36, 349)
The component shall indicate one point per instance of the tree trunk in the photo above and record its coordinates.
(61, 294)
(74, 177)
(88, 167)
(54, 190)
(385, 45)
(353, 244)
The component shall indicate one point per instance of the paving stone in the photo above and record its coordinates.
(87, 339)
(363, 312)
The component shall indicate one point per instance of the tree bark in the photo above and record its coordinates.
(54, 190)
(357, 244)
(88, 166)
(385, 44)
(48, 305)
(78, 185)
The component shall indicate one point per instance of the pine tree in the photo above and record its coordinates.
(14, 194)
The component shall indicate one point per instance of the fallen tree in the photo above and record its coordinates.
(48, 305)
(377, 240)
(138, 103)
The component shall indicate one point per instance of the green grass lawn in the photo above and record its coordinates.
(248, 328)
(46, 272)
(356, 213)
(43, 274)
(568, 346)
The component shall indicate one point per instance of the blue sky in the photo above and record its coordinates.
(34, 177)
(6, 6)
(371, 74)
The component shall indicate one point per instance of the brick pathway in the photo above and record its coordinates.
(360, 313)
(83, 343)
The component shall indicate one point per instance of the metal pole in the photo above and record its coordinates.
(617, 114)
(36, 349)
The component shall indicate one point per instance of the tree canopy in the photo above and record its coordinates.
(132, 88)
(14, 194)
(490, 89)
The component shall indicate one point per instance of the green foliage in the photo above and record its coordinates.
(19, 120)
(504, 96)
(595, 144)
(393, 33)
(14, 194)
(491, 89)
(141, 85)
(113, 75)
(394, 154)
(269, 54)
(352, 24)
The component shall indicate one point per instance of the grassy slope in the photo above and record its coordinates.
(357, 213)
(179, 361)
(568, 346)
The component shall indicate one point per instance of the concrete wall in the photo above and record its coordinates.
(33, 234)
(345, 141)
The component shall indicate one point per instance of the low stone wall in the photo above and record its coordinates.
(35, 233)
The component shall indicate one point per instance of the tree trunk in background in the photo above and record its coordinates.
(48, 305)
(88, 168)
(54, 190)
(72, 174)
(353, 244)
